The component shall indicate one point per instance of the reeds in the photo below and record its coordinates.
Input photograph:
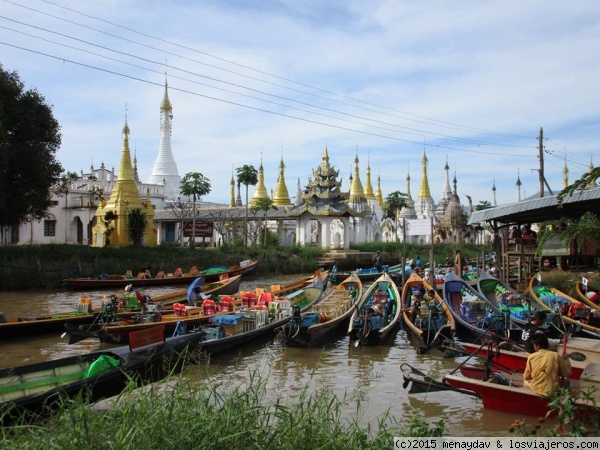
(202, 413)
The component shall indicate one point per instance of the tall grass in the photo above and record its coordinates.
(200, 414)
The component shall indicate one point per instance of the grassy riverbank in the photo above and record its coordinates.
(45, 266)
(201, 414)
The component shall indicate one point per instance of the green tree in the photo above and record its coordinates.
(264, 205)
(246, 175)
(136, 225)
(29, 139)
(484, 204)
(394, 203)
(109, 217)
(195, 185)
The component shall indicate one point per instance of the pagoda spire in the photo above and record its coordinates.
(494, 193)
(369, 194)
(261, 190)
(424, 191)
(357, 193)
(281, 197)
(232, 194)
(298, 201)
(565, 174)
(124, 197)
(518, 186)
(379, 194)
(165, 167)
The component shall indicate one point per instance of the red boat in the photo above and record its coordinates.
(515, 361)
(515, 399)
(121, 281)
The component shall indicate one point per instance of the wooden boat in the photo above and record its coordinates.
(313, 326)
(115, 328)
(433, 319)
(582, 291)
(124, 308)
(577, 316)
(504, 297)
(36, 389)
(506, 392)
(369, 275)
(247, 323)
(511, 397)
(515, 361)
(377, 313)
(121, 281)
(474, 315)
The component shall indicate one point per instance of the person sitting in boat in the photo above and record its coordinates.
(544, 367)
(533, 327)
(194, 271)
(418, 262)
(160, 274)
(195, 295)
(430, 297)
(178, 272)
(147, 274)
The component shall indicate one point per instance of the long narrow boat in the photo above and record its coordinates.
(518, 399)
(85, 315)
(229, 330)
(576, 315)
(504, 297)
(333, 312)
(505, 392)
(377, 313)
(474, 315)
(37, 389)
(121, 281)
(371, 274)
(115, 328)
(516, 360)
(430, 320)
(582, 295)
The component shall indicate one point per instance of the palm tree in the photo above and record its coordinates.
(246, 175)
(264, 204)
(394, 202)
(136, 225)
(194, 184)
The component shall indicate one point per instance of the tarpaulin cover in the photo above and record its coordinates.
(228, 319)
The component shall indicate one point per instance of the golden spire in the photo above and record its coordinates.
(356, 190)
(232, 196)
(424, 191)
(261, 190)
(123, 198)
(379, 195)
(369, 188)
(325, 160)
(566, 174)
(166, 103)
(281, 196)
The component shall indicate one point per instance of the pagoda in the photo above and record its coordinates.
(323, 215)
(123, 198)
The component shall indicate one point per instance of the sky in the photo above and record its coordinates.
(255, 81)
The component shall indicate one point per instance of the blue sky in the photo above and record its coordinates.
(471, 82)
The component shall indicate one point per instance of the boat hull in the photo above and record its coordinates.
(89, 283)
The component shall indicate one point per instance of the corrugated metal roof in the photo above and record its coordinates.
(541, 209)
